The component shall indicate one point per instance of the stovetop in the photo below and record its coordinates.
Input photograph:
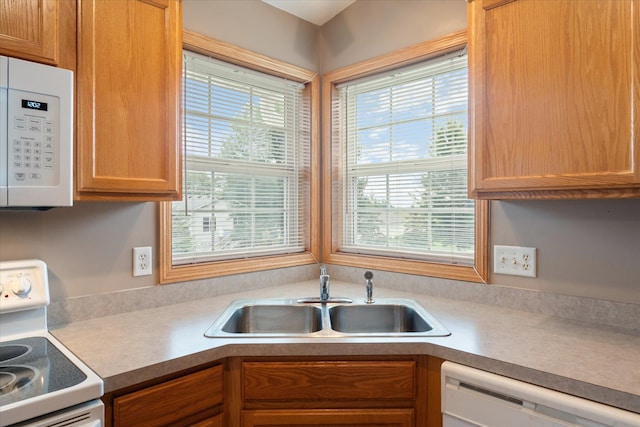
(38, 374)
(32, 367)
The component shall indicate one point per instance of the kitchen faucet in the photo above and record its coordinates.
(324, 284)
(369, 284)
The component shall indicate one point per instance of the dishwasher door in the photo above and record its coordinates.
(474, 398)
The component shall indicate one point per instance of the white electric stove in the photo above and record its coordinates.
(41, 382)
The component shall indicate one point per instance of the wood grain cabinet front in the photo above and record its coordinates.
(192, 400)
(554, 90)
(393, 391)
(30, 30)
(329, 417)
(128, 100)
(39, 30)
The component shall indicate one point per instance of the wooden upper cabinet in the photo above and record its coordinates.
(553, 86)
(29, 29)
(128, 100)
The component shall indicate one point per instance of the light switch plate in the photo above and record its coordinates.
(514, 260)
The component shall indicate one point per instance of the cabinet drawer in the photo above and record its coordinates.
(328, 380)
(171, 401)
(330, 417)
(216, 421)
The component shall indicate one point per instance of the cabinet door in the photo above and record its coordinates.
(552, 87)
(216, 421)
(188, 400)
(128, 94)
(328, 417)
(29, 29)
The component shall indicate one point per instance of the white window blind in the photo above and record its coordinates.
(246, 159)
(402, 143)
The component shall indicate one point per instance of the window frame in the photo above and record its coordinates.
(170, 273)
(331, 222)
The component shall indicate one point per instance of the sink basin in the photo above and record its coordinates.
(377, 318)
(271, 319)
(385, 318)
(311, 318)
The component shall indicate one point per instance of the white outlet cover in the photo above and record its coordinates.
(142, 261)
(515, 260)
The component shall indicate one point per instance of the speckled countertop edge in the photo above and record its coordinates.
(595, 362)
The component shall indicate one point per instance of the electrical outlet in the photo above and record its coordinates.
(514, 260)
(142, 261)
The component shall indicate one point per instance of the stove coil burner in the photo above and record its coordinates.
(12, 351)
(16, 377)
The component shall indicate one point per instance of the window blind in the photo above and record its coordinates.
(402, 143)
(246, 159)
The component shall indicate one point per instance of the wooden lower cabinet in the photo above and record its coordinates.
(193, 400)
(216, 421)
(398, 391)
(329, 417)
(347, 391)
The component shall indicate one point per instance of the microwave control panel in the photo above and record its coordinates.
(36, 135)
(33, 156)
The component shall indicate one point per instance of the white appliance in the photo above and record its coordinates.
(36, 135)
(473, 398)
(42, 384)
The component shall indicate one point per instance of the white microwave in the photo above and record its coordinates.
(36, 135)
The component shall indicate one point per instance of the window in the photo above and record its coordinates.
(398, 146)
(247, 184)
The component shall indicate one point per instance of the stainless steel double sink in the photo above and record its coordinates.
(386, 317)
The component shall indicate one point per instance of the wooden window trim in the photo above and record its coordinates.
(170, 273)
(330, 241)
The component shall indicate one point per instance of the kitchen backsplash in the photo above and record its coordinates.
(607, 313)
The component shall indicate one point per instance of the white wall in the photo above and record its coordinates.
(370, 28)
(88, 247)
(586, 248)
(254, 25)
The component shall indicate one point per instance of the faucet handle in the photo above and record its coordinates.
(368, 275)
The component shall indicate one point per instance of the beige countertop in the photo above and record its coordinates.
(599, 363)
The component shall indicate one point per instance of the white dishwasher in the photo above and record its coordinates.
(475, 398)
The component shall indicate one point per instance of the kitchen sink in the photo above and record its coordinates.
(372, 318)
(274, 319)
(291, 318)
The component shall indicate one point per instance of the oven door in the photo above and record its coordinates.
(89, 414)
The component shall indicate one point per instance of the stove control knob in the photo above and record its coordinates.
(21, 286)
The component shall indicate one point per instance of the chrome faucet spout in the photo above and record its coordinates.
(325, 284)
(368, 276)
